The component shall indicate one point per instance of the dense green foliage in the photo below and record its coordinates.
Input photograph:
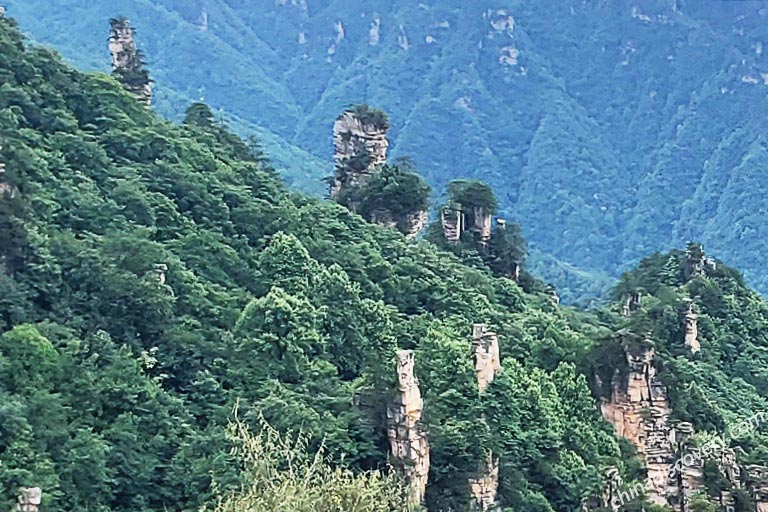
(395, 191)
(608, 129)
(726, 382)
(504, 254)
(159, 274)
(156, 276)
(281, 475)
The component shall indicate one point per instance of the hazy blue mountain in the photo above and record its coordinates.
(608, 129)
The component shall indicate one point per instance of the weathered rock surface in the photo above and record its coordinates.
(757, 482)
(485, 486)
(482, 223)
(29, 499)
(452, 220)
(360, 146)
(485, 351)
(409, 448)
(414, 222)
(126, 60)
(639, 410)
(690, 324)
(487, 360)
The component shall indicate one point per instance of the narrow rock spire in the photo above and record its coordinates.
(127, 60)
(360, 146)
(485, 349)
(407, 438)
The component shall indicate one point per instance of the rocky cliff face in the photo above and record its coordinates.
(487, 359)
(414, 222)
(485, 351)
(127, 63)
(409, 448)
(482, 223)
(452, 220)
(456, 221)
(690, 324)
(485, 486)
(360, 146)
(29, 499)
(757, 482)
(639, 410)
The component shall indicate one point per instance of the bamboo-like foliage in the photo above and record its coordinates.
(282, 475)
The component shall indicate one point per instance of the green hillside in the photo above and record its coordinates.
(157, 277)
(284, 304)
(608, 129)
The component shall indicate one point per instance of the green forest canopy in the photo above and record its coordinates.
(157, 275)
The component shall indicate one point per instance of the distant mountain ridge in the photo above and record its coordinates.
(608, 130)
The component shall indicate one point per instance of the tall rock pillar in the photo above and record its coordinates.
(127, 62)
(359, 146)
(639, 410)
(485, 350)
(690, 323)
(481, 223)
(409, 448)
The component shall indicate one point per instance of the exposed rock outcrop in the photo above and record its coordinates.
(485, 351)
(360, 152)
(639, 410)
(690, 324)
(487, 360)
(409, 448)
(686, 481)
(452, 220)
(374, 33)
(631, 303)
(485, 486)
(757, 483)
(481, 223)
(360, 146)
(414, 222)
(127, 63)
(29, 499)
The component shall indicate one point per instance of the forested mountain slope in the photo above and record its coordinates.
(608, 129)
(157, 276)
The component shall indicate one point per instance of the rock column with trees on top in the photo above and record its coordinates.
(391, 195)
(128, 65)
